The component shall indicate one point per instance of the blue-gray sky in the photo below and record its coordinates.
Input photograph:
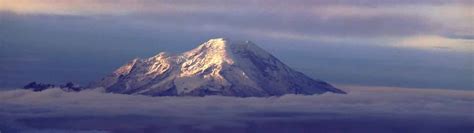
(402, 43)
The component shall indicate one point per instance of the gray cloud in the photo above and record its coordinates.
(306, 24)
(316, 18)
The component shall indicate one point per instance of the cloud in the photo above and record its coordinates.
(324, 16)
(124, 6)
(437, 42)
(95, 110)
(342, 21)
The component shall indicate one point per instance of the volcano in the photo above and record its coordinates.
(217, 67)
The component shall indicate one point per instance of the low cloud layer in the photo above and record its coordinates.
(95, 111)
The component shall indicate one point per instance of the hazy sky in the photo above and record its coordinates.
(404, 43)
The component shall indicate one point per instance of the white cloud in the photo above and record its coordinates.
(437, 42)
(214, 111)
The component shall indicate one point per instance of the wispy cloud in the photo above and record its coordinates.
(437, 42)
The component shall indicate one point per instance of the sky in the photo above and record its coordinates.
(398, 43)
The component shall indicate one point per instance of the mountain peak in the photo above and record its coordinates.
(219, 40)
(217, 44)
(225, 42)
(216, 67)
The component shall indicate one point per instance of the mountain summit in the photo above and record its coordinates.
(216, 67)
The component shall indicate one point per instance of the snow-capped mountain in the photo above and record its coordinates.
(216, 67)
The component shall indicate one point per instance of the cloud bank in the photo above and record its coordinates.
(379, 109)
